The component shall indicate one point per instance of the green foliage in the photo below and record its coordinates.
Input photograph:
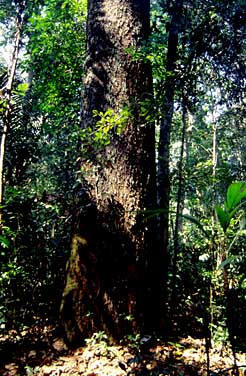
(4, 242)
(97, 338)
(133, 340)
(110, 123)
(22, 89)
(6, 235)
(99, 343)
(235, 194)
(41, 162)
(7, 11)
(56, 48)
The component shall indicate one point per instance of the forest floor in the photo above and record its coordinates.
(43, 352)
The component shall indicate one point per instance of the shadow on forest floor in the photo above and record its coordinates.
(41, 351)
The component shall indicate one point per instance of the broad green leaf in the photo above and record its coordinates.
(235, 193)
(223, 217)
(226, 262)
(4, 242)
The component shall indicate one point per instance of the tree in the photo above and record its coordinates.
(118, 277)
(8, 93)
(167, 107)
(111, 272)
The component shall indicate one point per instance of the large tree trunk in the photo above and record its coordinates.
(111, 280)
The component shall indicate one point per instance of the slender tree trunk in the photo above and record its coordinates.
(111, 282)
(179, 208)
(163, 189)
(214, 247)
(8, 97)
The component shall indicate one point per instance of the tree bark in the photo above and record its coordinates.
(163, 189)
(111, 284)
(177, 233)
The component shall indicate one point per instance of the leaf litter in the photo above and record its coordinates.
(45, 354)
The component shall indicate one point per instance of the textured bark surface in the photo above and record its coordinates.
(110, 273)
(112, 80)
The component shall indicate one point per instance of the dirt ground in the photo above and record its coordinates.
(45, 354)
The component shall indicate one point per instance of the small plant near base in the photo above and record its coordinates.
(133, 341)
(98, 343)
